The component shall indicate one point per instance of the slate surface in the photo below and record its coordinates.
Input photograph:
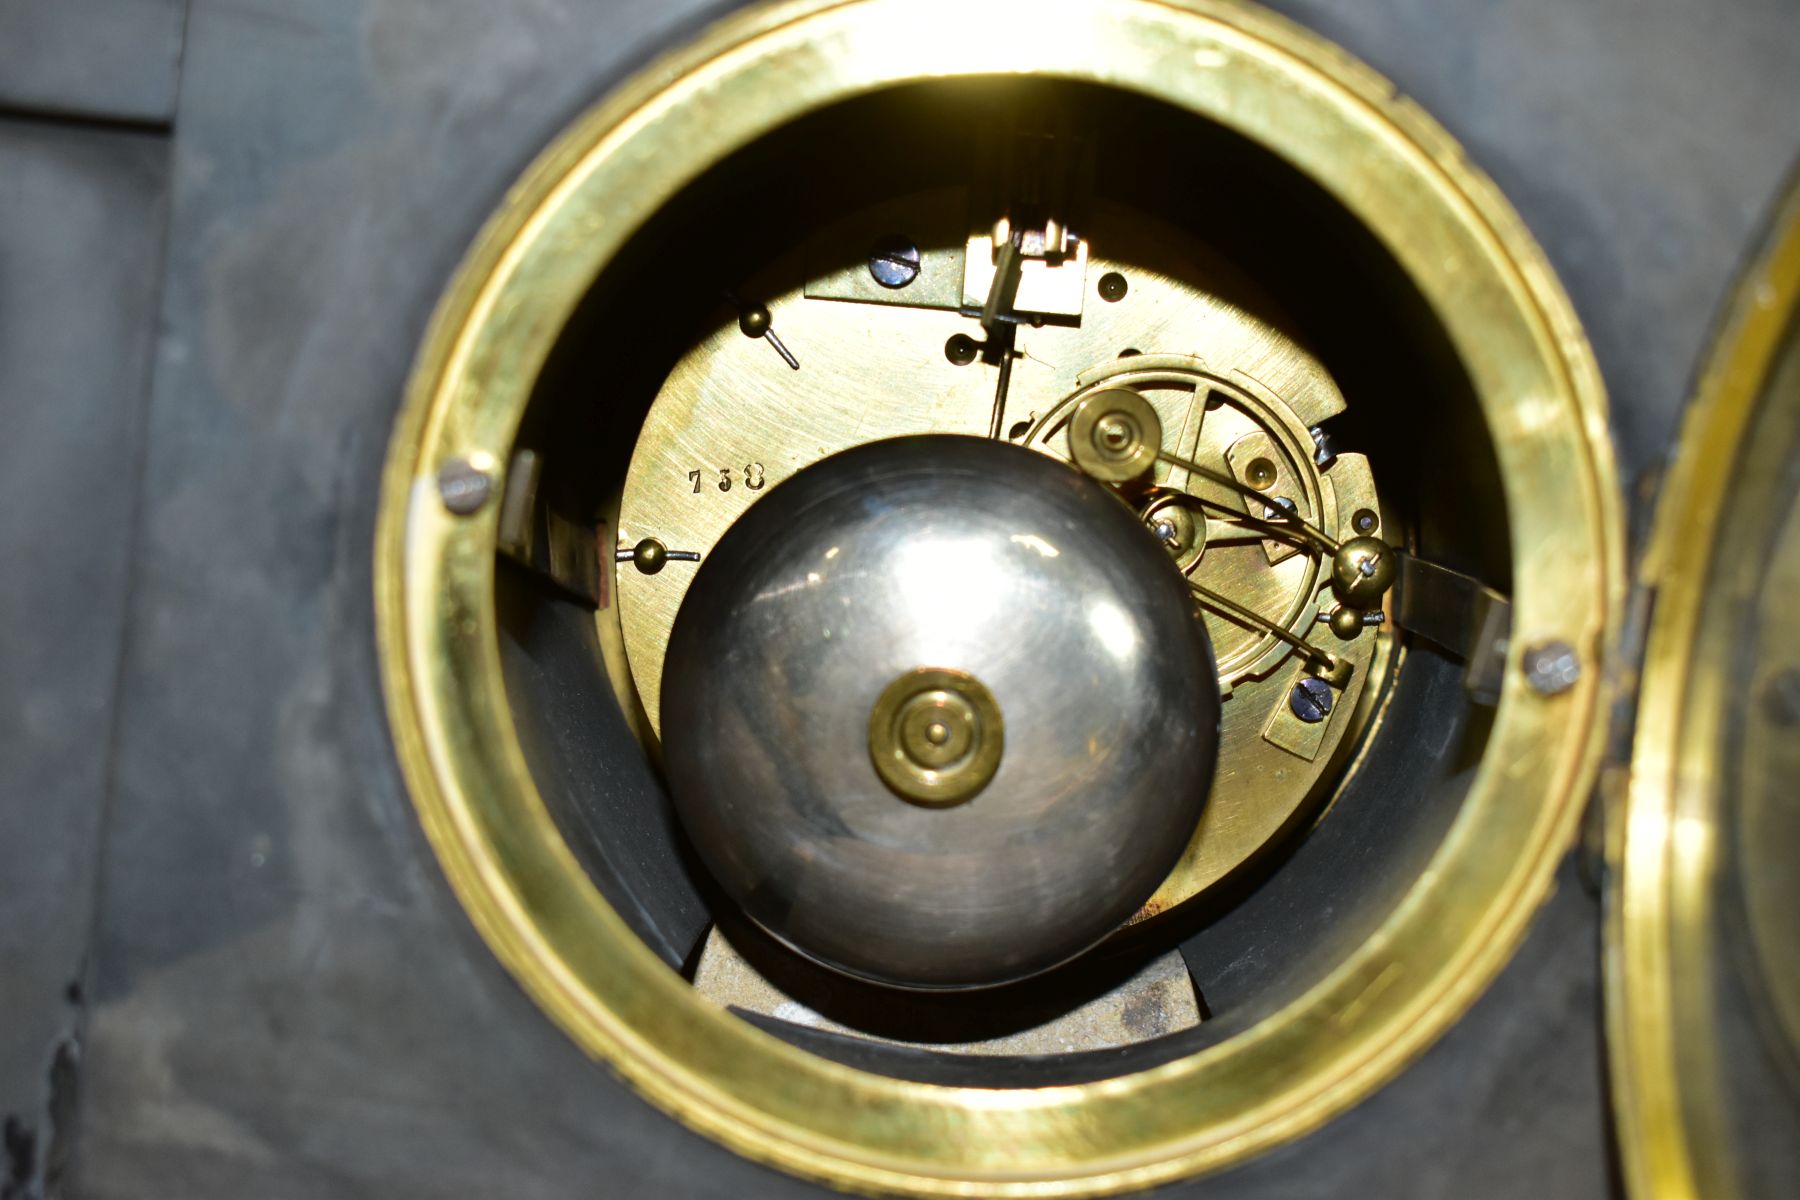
(287, 1001)
(81, 223)
(115, 60)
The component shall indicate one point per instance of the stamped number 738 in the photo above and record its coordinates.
(753, 478)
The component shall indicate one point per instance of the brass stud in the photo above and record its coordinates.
(1362, 571)
(936, 736)
(1115, 436)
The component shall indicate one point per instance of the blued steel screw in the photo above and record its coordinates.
(1311, 699)
(894, 262)
(1324, 449)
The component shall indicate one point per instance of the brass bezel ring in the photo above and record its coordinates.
(1541, 396)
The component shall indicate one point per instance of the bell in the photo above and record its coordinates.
(938, 712)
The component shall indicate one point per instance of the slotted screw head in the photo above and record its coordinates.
(464, 487)
(894, 262)
(1311, 699)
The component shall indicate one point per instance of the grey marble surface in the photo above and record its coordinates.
(107, 60)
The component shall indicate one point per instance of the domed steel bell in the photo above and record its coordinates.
(938, 712)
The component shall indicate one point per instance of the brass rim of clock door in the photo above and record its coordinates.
(1669, 839)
